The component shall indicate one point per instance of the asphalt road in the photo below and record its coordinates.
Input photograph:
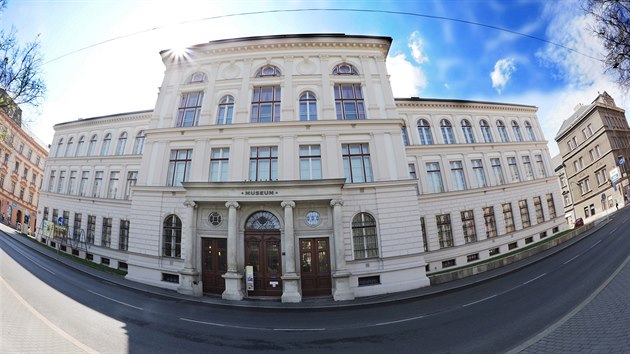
(48, 307)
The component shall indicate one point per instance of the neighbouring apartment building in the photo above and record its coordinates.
(283, 166)
(594, 146)
(21, 170)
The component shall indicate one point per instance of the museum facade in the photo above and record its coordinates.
(283, 167)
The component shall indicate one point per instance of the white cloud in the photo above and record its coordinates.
(416, 44)
(502, 73)
(407, 80)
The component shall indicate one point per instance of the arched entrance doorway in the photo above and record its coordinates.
(262, 252)
(18, 220)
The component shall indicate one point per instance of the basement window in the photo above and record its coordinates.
(170, 278)
(372, 280)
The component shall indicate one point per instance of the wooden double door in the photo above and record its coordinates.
(214, 264)
(262, 252)
(315, 266)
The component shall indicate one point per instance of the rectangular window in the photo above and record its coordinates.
(448, 263)
(72, 182)
(529, 171)
(512, 246)
(514, 175)
(468, 226)
(51, 181)
(66, 217)
(84, 179)
(480, 176)
(434, 177)
(76, 228)
(106, 233)
(98, 181)
(219, 162)
(412, 171)
(45, 217)
(494, 251)
(602, 177)
(263, 163)
(445, 234)
(472, 257)
(540, 165)
(585, 186)
(540, 217)
(349, 102)
(132, 179)
(123, 238)
(112, 187)
(55, 216)
(497, 171)
(62, 180)
(310, 162)
(551, 206)
(522, 205)
(591, 153)
(490, 222)
(265, 104)
(598, 151)
(457, 175)
(91, 229)
(189, 109)
(371, 280)
(508, 217)
(356, 163)
(425, 243)
(179, 167)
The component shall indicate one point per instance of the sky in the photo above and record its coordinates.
(102, 56)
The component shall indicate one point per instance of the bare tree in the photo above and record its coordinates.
(612, 26)
(20, 69)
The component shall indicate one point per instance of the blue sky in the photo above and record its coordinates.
(429, 57)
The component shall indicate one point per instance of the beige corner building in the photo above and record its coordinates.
(283, 167)
(594, 146)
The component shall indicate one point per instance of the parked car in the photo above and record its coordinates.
(578, 222)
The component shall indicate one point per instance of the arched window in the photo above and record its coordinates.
(226, 110)
(486, 131)
(106, 142)
(92, 146)
(197, 77)
(122, 143)
(344, 69)
(308, 106)
(517, 131)
(59, 146)
(268, 70)
(262, 220)
(424, 131)
(69, 147)
(172, 236)
(530, 131)
(138, 144)
(467, 129)
(447, 132)
(364, 236)
(503, 132)
(80, 144)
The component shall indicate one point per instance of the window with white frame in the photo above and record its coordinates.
(424, 131)
(265, 104)
(197, 77)
(468, 226)
(585, 186)
(189, 109)
(268, 71)
(69, 147)
(226, 110)
(310, 162)
(486, 131)
(540, 165)
(90, 231)
(530, 131)
(540, 216)
(457, 175)
(356, 163)
(364, 237)
(112, 187)
(527, 166)
(92, 146)
(503, 134)
(172, 236)
(445, 233)
(551, 206)
(122, 143)
(513, 167)
(263, 163)
(434, 177)
(497, 170)
(106, 232)
(80, 145)
(405, 137)
(98, 181)
(411, 167)
(349, 102)
(480, 175)
(138, 143)
(123, 235)
(132, 179)
(72, 182)
(219, 163)
(106, 142)
(490, 222)
(508, 217)
(85, 175)
(517, 131)
(602, 176)
(524, 209)
(59, 147)
(179, 167)
(467, 130)
(447, 132)
(308, 106)
(62, 181)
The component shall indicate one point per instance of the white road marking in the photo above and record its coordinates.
(224, 325)
(531, 280)
(298, 329)
(399, 321)
(114, 300)
(572, 259)
(478, 301)
(613, 230)
(52, 326)
(31, 259)
(595, 244)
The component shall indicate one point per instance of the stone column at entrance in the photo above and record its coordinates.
(189, 283)
(341, 276)
(233, 279)
(290, 280)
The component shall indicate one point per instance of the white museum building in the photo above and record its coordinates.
(283, 167)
